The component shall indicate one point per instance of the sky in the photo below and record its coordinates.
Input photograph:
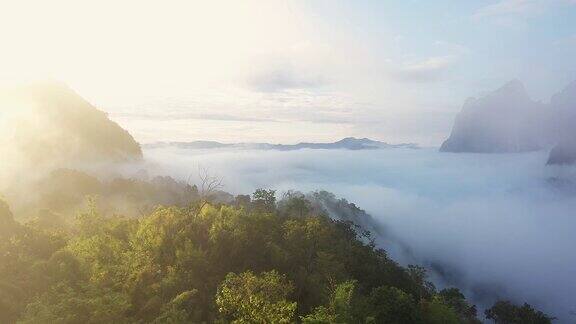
(288, 70)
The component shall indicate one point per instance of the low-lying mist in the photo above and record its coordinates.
(497, 226)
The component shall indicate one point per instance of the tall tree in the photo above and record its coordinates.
(248, 298)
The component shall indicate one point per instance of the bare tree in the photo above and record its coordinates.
(209, 184)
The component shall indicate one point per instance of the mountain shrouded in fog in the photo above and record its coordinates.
(49, 124)
(507, 120)
(564, 105)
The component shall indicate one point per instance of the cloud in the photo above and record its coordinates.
(493, 224)
(569, 42)
(284, 77)
(515, 13)
(522, 8)
(302, 66)
(429, 69)
(187, 115)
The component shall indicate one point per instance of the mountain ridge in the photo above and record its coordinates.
(347, 143)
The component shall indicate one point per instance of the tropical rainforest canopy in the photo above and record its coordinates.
(251, 260)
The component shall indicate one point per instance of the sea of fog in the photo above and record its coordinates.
(495, 225)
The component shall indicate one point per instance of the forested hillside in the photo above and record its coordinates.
(252, 260)
(77, 247)
(46, 126)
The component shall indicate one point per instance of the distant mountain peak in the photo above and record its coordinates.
(347, 143)
(504, 120)
(507, 120)
(513, 85)
(567, 96)
(356, 140)
(563, 106)
(512, 89)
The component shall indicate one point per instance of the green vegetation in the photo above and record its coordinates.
(62, 192)
(504, 312)
(250, 260)
(247, 298)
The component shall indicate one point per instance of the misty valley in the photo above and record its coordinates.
(96, 229)
(287, 161)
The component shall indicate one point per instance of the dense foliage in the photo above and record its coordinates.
(254, 260)
(504, 312)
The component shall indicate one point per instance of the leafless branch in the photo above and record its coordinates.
(209, 184)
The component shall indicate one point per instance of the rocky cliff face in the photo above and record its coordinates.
(49, 122)
(563, 106)
(505, 120)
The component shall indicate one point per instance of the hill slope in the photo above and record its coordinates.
(48, 123)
